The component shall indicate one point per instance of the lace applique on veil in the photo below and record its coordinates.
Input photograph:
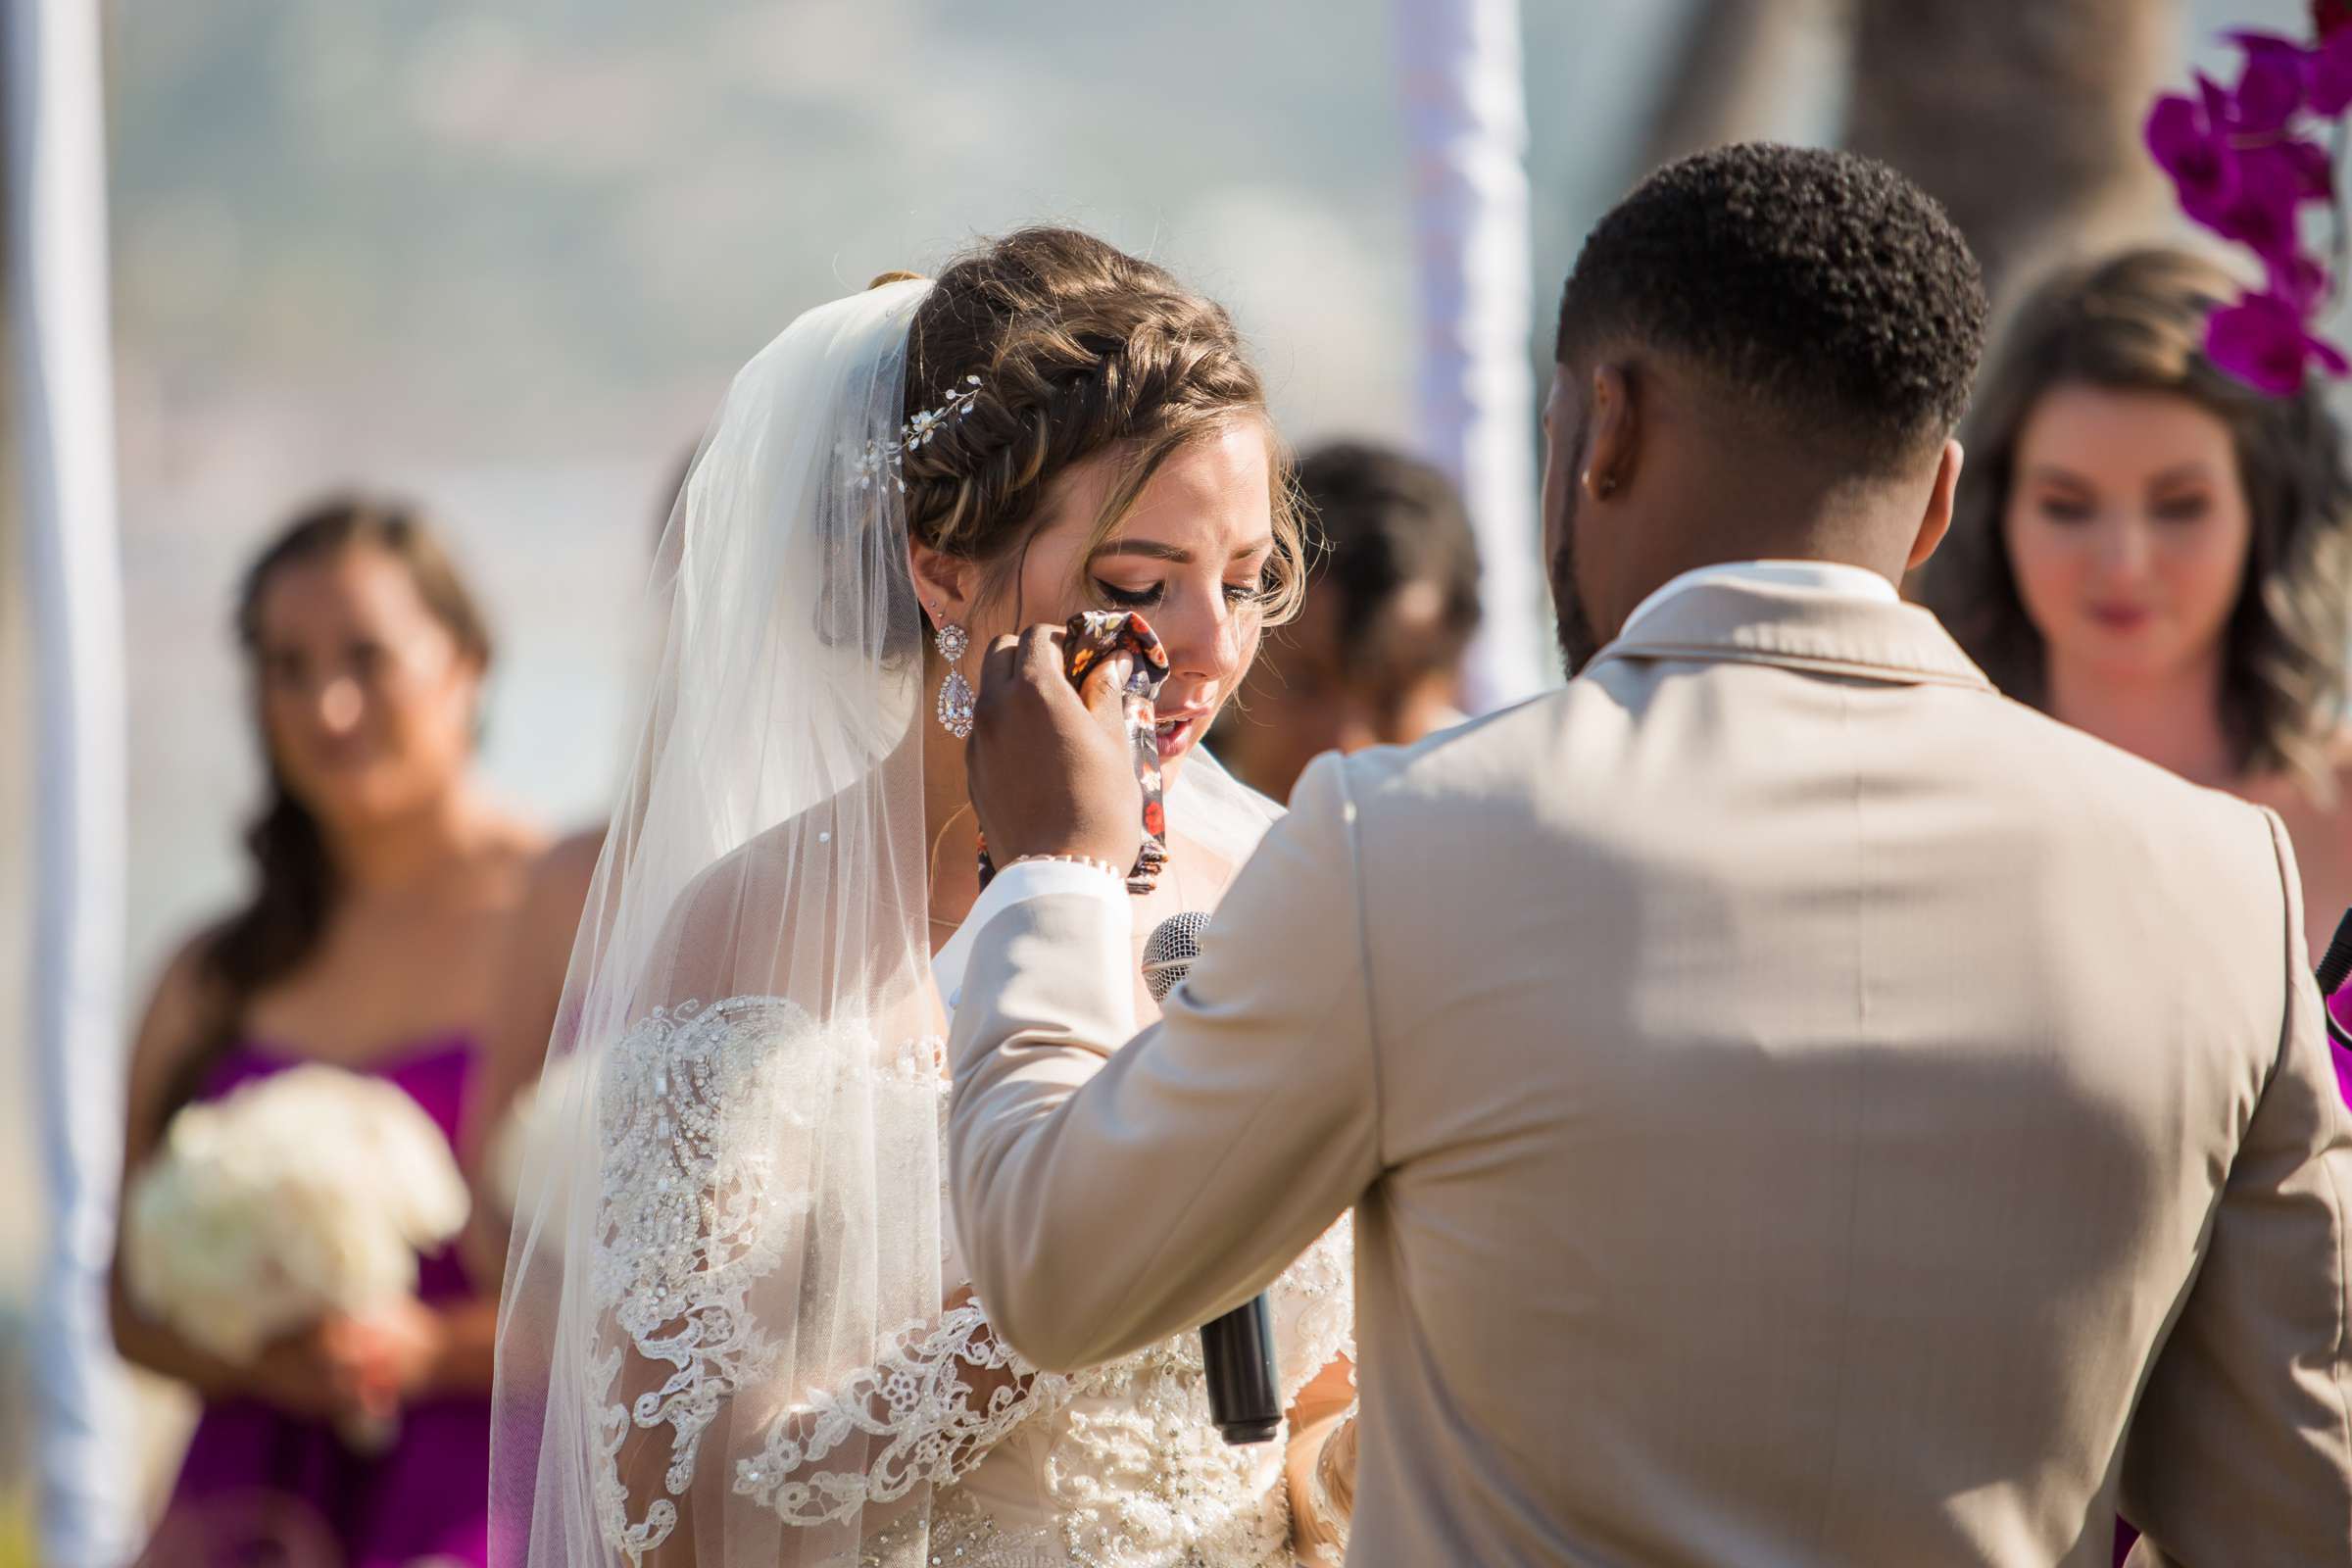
(703, 1194)
(688, 1216)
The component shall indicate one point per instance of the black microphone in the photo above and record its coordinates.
(1237, 1350)
(2336, 967)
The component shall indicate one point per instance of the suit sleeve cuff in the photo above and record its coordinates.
(1032, 879)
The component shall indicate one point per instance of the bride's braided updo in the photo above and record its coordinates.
(1080, 348)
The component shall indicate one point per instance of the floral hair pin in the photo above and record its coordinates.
(880, 459)
(919, 430)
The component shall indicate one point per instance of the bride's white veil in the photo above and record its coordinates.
(741, 1212)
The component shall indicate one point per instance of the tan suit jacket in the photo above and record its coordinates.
(1800, 1107)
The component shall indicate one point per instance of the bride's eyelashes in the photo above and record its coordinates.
(1118, 598)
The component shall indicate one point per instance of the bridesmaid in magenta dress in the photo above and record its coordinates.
(385, 890)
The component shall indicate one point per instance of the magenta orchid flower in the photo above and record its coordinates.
(2263, 341)
(2270, 86)
(2261, 210)
(2186, 146)
(2329, 80)
(2245, 162)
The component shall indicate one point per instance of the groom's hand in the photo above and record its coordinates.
(1051, 770)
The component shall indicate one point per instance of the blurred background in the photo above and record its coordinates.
(504, 258)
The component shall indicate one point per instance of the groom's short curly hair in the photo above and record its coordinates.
(1824, 288)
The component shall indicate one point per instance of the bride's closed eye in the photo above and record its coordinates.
(1236, 593)
(1131, 598)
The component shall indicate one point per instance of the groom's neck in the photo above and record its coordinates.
(1731, 525)
(1715, 493)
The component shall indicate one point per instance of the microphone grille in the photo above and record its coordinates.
(1169, 951)
(2336, 965)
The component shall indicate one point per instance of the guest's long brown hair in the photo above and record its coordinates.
(2136, 323)
(295, 881)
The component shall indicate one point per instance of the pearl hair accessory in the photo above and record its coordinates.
(880, 459)
(919, 430)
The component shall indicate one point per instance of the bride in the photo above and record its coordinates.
(736, 1328)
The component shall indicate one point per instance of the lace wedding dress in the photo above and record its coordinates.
(1114, 1467)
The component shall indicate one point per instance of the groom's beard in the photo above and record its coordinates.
(1579, 642)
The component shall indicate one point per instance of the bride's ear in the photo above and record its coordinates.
(947, 584)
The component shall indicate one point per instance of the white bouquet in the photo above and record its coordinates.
(313, 1189)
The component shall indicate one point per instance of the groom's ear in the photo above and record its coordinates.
(1613, 449)
(1936, 520)
(948, 585)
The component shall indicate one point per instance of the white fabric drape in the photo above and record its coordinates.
(1465, 114)
(64, 438)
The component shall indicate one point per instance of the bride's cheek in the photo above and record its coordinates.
(1252, 642)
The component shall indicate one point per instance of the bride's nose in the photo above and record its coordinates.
(1204, 637)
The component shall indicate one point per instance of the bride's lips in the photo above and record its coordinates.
(1177, 731)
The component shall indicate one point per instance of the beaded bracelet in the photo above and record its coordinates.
(1104, 867)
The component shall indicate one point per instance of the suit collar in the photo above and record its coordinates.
(1830, 577)
(1748, 621)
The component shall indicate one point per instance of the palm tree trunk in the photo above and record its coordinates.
(2022, 117)
(1731, 75)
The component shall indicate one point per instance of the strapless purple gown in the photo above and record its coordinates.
(254, 1474)
(2341, 1005)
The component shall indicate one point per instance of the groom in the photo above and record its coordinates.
(1799, 1106)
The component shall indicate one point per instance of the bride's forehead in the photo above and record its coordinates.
(1226, 473)
(1214, 494)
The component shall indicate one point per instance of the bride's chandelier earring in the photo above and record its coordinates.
(955, 693)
